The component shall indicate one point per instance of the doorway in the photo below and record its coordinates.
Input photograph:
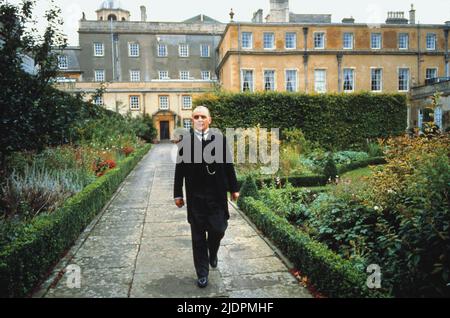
(164, 133)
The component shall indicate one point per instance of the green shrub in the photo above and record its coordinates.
(330, 169)
(32, 249)
(335, 121)
(328, 272)
(248, 189)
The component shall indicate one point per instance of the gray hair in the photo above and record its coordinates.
(202, 109)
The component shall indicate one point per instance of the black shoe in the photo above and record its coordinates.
(213, 262)
(202, 282)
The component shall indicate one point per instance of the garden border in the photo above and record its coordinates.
(40, 244)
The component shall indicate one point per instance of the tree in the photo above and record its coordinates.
(28, 115)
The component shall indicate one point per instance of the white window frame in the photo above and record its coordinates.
(317, 33)
(98, 100)
(133, 77)
(135, 102)
(400, 69)
(250, 40)
(163, 105)
(97, 75)
(63, 62)
(378, 35)
(400, 41)
(252, 87)
(99, 49)
(316, 82)
(206, 78)
(202, 46)
(183, 76)
(133, 49)
(162, 50)
(274, 88)
(163, 73)
(353, 79)
(344, 41)
(434, 37)
(183, 50)
(294, 41)
(431, 68)
(295, 88)
(273, 40)
(372, 69)
(185, 125)
(185, 105)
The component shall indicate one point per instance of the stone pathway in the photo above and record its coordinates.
(140, 246)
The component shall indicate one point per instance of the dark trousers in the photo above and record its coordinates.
(207, 230)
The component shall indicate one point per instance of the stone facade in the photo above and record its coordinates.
(157, 68)
(421, 108)
(310, 56)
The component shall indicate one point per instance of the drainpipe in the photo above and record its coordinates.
(239, 57)
(305, 57)
(339, 60)
(419, 77)
(112, 49)
(447, 57)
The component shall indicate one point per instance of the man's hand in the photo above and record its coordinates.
(179, 203)
(234, 196)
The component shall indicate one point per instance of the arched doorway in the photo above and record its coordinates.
(112, 17)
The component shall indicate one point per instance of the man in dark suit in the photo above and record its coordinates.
(204, 163)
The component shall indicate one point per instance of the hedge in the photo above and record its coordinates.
(331, 274)
(336, 121)
(41, 243)
(318, 180)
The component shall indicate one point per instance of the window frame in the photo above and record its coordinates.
(324, 70)
(160, 97)
(180, 50)
(130, 51)
(273, 40)
(102, 49)
(294, 40)
(138, 99)
(183, 106)
(323, 33)
(372, 69)
(96, 71)
(158, 51)
(251, 41)
(252, 87)
(372, 40)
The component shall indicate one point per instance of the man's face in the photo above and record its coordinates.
(201, 120)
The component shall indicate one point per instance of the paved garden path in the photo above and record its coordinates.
(140, 246)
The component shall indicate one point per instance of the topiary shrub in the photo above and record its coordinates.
(248, 189)
(330, 169)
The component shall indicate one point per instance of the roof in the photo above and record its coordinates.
(309, 18)
(201, 18)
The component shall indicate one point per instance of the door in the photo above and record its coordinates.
(164, 130)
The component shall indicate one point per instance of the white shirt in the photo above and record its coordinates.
(198, 133)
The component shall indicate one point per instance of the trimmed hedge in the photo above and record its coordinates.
(330, 274)
(41, 243)
(318, 180)
(336, 121)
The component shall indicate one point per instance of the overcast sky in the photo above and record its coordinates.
(364, 11)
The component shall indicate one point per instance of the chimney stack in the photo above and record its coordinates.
(143, 14)
(412, 15)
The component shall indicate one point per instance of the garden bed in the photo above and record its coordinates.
(41, 243)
